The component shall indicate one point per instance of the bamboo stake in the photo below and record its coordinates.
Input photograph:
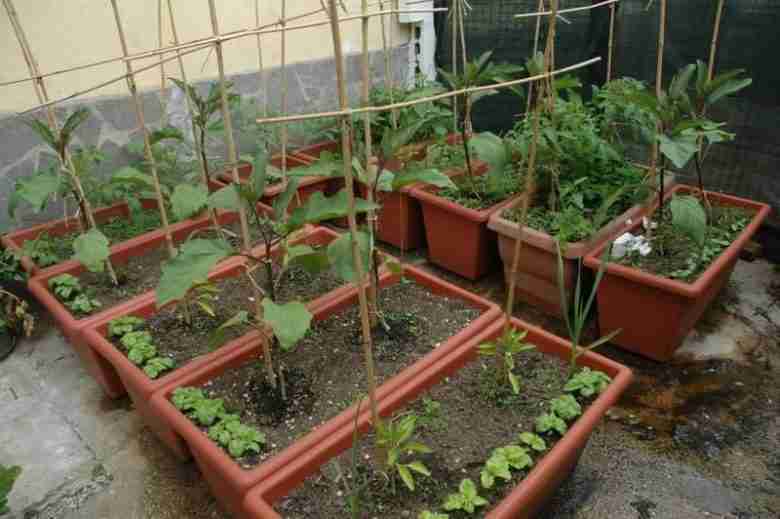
(565, 11)
(612, 9)
(658, 90)
(261, 68)
(285, 93)
(437, 97)
(530, 185)
(461, 15)
(368, 350)
(536, 49)
(228, 120)
(159, 45)
(204, 175)
(372, 216)
(139, 112)
(454, 47)
(66, 162)
(714, 44)
(388, 65)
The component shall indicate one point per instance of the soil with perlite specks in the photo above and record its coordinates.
(419, 321)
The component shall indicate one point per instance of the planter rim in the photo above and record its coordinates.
(257, 507)
(698, 287)
(333, 426)
(117, 209)
(575, 250)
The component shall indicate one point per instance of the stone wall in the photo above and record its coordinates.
(312, 87)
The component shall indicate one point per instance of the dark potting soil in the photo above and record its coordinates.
(677, 256)
(463, 419)
(177, 340)
(116, 230)
(324, 373)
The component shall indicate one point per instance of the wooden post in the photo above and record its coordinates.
(66, 163)
(228, 121)
(537, 31)
(285, 96)
(160, 45)
(204, 175)
(366, 98)
(261, 68)
(715, 35)
(659, 69)
(139, 112)
(612, 11)
(368, 349)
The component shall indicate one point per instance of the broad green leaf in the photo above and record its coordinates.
(43, 131)
(282, 202)
(289, 321)
(312, 260)
(341, 258)
(680, 149)
(92, 249)
(320, 208)
(428, 176)
(689, 217)
(36, 190)
(406, 476)
(728, 88)
(227, 198)
(394, 139)
(132, 176)
(168, 132)
(188, 200)
(259, 171)
(490, 148)
(190, 267)
(73, 121)
(326, 166)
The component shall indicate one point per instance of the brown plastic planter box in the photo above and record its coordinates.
(537, 276)
(228, 481)
(657, 313)
(140, 387)
(73, 326)
(529, 496)
(458, 237)
(14, 241)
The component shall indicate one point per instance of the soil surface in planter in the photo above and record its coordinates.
(116, 230)
(177, 340)
(462, 419)
(324, 373)
(676, 255)
(473, 191)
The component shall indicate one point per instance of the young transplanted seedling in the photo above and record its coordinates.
(396, 439)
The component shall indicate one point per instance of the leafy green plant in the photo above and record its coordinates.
(431, 415)
(10, 267)
(67, 288)
(566, 407)
(202, 296)
(396, 439)
(197, 406)
(548, 423)
(41, 250)
(156, 366)
(8, 476)
(123, 325)
(237, 438)
(467, 499)
(587, 383)
(139, 347)
(533, 441)
(501, 463)
(511, 343)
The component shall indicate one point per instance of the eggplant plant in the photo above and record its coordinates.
(91, 248)
(282, 324)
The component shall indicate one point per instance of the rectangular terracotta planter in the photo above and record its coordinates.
(458, 237)
(657, 313)
(140, 387)
(228, 481)
(14, 241)
(72, 326)
(529, 496)
(537, 276)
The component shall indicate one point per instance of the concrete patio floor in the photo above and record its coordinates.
(696, 439)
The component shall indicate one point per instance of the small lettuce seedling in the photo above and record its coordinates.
(548, 423)
(68, 290)
(534, 441)
(501, 463)
(467, 499)
(139, 345)
(121, 326)
(587, 383)
(237, 438)
(566, 407)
